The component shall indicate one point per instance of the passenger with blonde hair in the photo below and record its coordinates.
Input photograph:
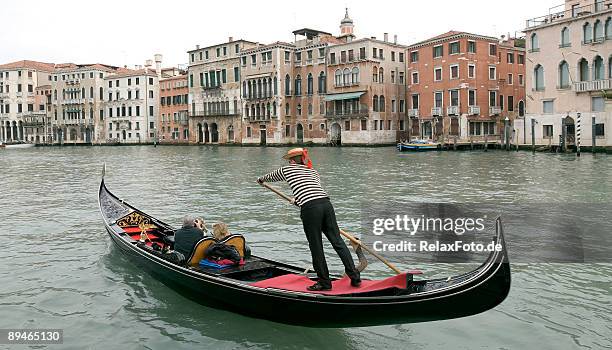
(220, 231)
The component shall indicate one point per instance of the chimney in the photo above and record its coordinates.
(197, 47)
(231, 38)
(386, 36)
(158, 62)
(373, 37)
(395, 39)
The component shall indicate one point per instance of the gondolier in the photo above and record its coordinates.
(317, 214)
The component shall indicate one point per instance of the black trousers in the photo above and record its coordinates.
(318, 216)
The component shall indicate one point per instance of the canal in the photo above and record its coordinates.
(58, 268)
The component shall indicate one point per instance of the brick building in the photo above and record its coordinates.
(173, 121)
(462, 86)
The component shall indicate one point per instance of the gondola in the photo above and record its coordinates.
(268, 289)
(418, 146)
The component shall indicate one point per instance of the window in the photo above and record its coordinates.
(438, 74)
(454, 97)
(287, 56)
(364, 124)
(438, 51)
(401, 57)
(565, 37)
(415, 101)
(492, 50)
(609, 28)
(236, 74)
(381, 104)
(538, 78)
(299, 109)
(392, 56)
(237, 48)
(322, 82)
(243, 60)
(597, 104)
(287, 85)
(598, 33)
(492, 98)
(414, 56)
(438, 99)
(598, 68)
(510, 57)
(381, 75)
(472, 98)
(587, 33)
(355, 75)
(453, 48)
(380, 54)
(332, 58)
(510, 79)
(599, 130)
(415, 77)
(521, 80)
(309, 85)
(401, 78)
(362, 53)
(343, 56)
(402, 106)
(511, 103)
(298, 57)
(547, 131)
(548, 107)
(564, 75)
(471, 71)
(454, 71)
(253, 60)
(534, 43)
(392, 77)
(471, 46)
(521, 59)
(393, 106)
(492, 73)
(346, 77)
(298, 85)
(351, 55)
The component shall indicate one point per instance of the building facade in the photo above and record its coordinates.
(569, 73)
(37, 127)
(173, 118)
(463, 86)
(214, 92)
(131, 106)
(18, 83)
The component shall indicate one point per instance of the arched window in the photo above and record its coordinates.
(287, 85)
(564, 75)
(346, 77)
(338, 77)
(91, 94)
(535, 44)
(268, 110)
(269, 87)
(587, 33)
(310, 109)
(253, 110)
(565, 37)
(583, 70)
(521, 107)
(322, 82)
(274, 108)
(381, 104)
(101, 94)
(375, 74)
(299, 109)
(250, 94)
(247, 110)
(321, 108)
(258, 110)
(287, 109)
(598, 31)
(83, 93)
(609, 28)
(355, 75)
(309, 84)
(298, 85)
(259, 88)
(381, 75)
(244, 89)
(598, 68)
(375, 103)
(538, 77)
(275, 85)
(610, 68)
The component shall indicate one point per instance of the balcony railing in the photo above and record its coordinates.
(571, 13)
(594, 85)
(347, 113)
(452, 110)
(473, 110)
(209, 113)
(346, 84)
(496, 110)
(436, 111)
(413, 113)
(260, 118)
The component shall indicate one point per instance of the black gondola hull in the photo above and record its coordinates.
(486, 289)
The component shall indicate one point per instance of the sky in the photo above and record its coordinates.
(129, 32)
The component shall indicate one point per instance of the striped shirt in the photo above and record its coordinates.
(305, 183)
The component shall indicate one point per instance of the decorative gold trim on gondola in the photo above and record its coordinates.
(134, 219)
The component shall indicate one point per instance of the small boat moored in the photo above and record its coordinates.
(418, 145)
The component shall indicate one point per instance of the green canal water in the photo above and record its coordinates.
(58, 268)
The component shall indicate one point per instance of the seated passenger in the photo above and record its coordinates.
(221, 252)
(187, 236)
(220, 231)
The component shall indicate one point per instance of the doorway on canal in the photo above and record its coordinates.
(336, 135)
(262, 135)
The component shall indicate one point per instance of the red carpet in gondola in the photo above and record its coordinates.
(299, 283)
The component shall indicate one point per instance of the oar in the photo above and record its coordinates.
(342, 232)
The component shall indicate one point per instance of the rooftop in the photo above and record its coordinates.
(452, 34)
(565, 15)
(26, 64)
(309, 33)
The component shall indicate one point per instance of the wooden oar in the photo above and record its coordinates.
(342, 232)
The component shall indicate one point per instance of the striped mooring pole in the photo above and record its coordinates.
(578, 125)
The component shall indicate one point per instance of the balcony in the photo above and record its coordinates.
(594, 85)
(19, 94)
(220, 113)
(571, 13)
(261, 118)
(452, 110)
(346, 84)
(436, 112)
(473, 110)
(4, 95)
(413, 113)
(496, 110)
(361, 112)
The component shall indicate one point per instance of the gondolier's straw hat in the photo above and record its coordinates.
(296, 152)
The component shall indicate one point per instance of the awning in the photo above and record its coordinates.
(345, 96)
